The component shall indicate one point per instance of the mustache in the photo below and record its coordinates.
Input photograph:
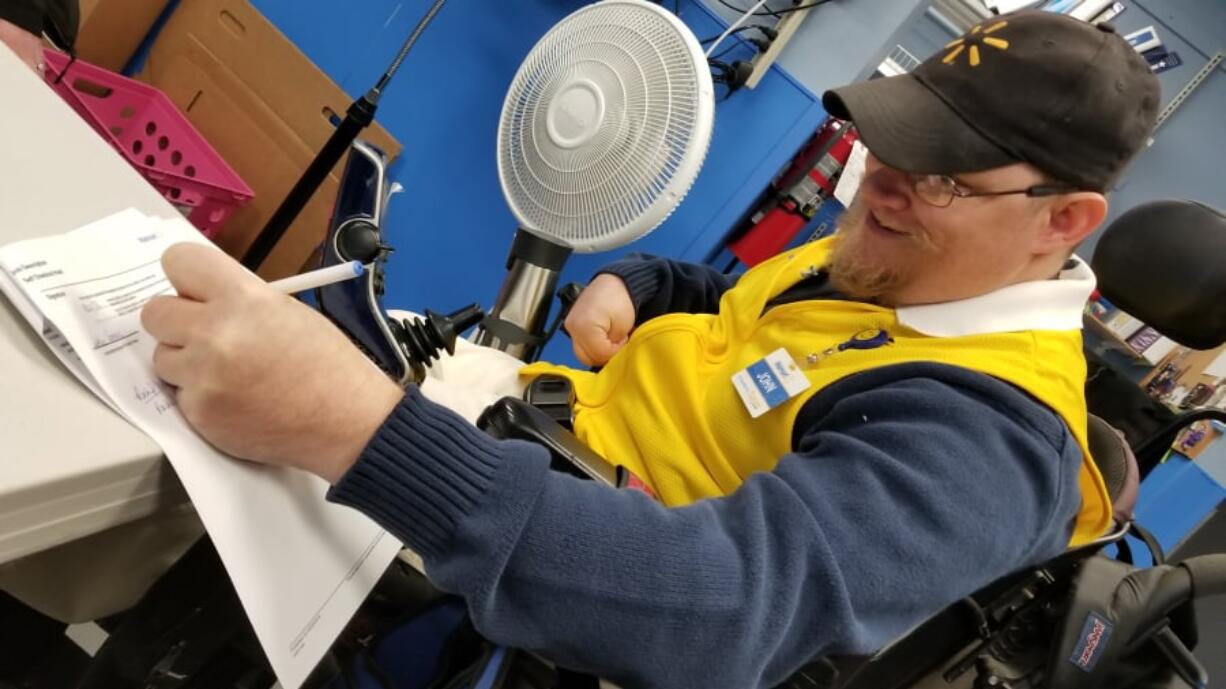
(860, 274)
(854, 218)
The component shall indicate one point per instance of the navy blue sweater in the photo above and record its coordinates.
(908, 487)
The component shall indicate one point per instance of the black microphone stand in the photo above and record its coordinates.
(359, 116)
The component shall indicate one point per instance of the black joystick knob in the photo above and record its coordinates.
(424, 339)
(358, 240)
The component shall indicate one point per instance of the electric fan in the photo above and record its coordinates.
(603, 132)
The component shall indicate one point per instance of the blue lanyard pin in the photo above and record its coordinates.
(872, 338)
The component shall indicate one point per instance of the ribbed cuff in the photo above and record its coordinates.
(24, 13)
(422, 473)
(642, 278)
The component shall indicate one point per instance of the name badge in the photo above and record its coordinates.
(768, 383)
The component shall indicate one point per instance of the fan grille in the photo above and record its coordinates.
(605, 126)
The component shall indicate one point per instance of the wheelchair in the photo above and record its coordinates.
(1082, 619)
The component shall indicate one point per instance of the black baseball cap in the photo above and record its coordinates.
(1071, 98)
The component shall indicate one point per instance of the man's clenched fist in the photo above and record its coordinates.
(601, 320)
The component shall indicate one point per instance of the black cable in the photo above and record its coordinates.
(738, 10)
(723, 67)
(737, 31)
(768, 12)
(721, 76)
(404, 50)
(757, 44)
(733, 76)
(724, 52)
(809, 6)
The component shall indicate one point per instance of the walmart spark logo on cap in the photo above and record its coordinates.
(1072, 99)
(971, 42)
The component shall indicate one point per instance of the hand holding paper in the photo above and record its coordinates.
(260, 375)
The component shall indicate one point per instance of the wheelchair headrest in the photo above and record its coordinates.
(1117, 464)
(1163, 263)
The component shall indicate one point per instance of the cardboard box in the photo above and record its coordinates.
(112, 30)
(265, 108)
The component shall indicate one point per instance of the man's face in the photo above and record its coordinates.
(895, 247)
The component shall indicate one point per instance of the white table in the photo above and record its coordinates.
(69, 466)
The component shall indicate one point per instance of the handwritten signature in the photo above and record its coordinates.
(158, 395)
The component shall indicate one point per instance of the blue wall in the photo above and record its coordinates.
(840, 41)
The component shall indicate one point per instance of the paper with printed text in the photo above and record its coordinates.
(301, 566)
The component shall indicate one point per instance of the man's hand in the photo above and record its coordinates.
(260, 375)
(27, 46)
(601, 320)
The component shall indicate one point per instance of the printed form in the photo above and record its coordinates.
(301, 566)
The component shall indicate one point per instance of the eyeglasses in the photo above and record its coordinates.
(941, 190)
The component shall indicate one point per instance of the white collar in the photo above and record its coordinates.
(1038, 305)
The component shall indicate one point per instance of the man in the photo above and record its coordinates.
(939, 443)
(22, 22)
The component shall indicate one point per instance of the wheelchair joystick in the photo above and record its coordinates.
(422, 340)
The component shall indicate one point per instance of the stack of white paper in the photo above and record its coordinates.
(301, 566)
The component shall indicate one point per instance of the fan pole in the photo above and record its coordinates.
(582, 166)
(516, 324)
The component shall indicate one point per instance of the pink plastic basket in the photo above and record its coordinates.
(149, 131)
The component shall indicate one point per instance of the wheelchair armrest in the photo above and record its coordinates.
(515, 419)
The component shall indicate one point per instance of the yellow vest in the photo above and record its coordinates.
(665, 406)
